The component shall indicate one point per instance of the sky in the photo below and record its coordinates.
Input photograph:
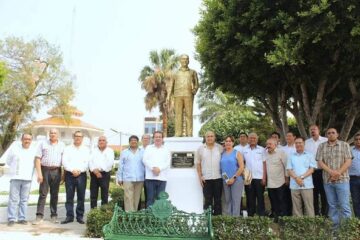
(105, 44)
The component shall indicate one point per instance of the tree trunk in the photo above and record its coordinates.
(305, 102)
(164, 122)
(312, 114)
(271, 106)
(351, 113)
(332, 119)
(299, 120)
(11, 128)
(318, 101)
(298, 113)
(285, 126)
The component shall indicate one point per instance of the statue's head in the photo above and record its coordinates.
(184, 60)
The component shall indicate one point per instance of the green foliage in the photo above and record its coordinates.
(36, 78)
(350, 229)
(97, 218)
(311, 228)
(243, 228)
(171, 127)
(296, 56)
(3, 72)
(226, 115)
(117, 154)
(261, 228)
(233, 123)
(117, 196)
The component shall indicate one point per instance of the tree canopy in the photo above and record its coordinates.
(35, 78)
(291, 56)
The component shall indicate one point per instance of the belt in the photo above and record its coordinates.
(353, 176)
(71, 172)
(50, 168)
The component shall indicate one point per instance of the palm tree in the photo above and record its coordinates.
(155, 80)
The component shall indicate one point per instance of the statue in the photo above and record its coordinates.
(184, 86)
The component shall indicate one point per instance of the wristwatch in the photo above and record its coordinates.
(302, 177)
(234, 176)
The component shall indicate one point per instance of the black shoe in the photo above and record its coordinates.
(11, 223)
(67, 220)
(23, 222)
(80, 220)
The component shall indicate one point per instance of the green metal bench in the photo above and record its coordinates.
(160, 221)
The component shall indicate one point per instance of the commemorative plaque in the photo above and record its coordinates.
(182, 159)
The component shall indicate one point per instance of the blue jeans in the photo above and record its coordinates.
(71, 184)
(355, 194)
(153, 188)
(18, 197)
(338, 197)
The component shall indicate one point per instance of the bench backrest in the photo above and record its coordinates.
(162, 219)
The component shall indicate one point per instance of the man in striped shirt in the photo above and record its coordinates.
(48, 162)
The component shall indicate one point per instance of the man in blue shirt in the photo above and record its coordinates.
(300, 166)
(131, 174)
(354, 172)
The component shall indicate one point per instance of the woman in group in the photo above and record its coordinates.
(232, 167)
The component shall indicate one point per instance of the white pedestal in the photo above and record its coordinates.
(183, 186)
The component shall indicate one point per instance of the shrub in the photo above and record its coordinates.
(117, 196)
(350, 229)
(117, 154)
(97, 218)
(312, 228)
(252, 228)
(243, 228)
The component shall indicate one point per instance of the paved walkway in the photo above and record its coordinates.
(47, 230)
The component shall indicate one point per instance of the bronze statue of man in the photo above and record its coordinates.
(184, 86)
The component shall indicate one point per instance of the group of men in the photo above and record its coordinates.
(136, 167)
(48, 159)
(304, 177)
(296, 175)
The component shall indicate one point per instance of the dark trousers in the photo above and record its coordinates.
(71, 184)
(153, 188)
(145, 196)
(288, 200)
(212, 194)
(95, 184)
(51, 179)
(278, 200)
(355, 194)
(319, 191)
(255, 198)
